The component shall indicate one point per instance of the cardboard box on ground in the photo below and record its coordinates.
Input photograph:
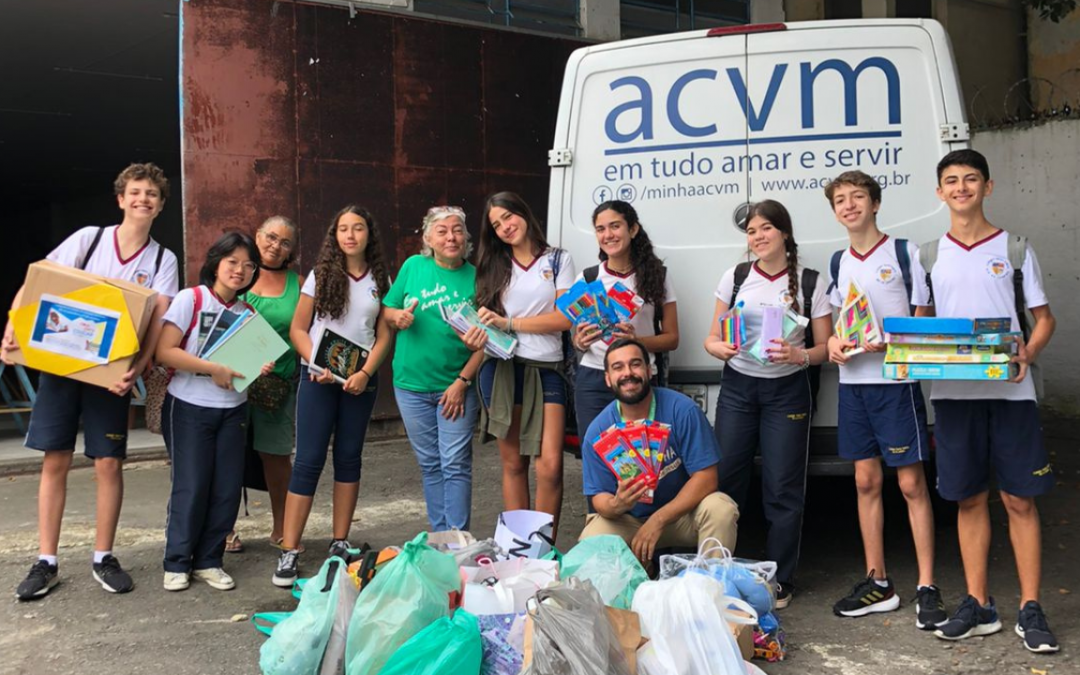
(125, 309)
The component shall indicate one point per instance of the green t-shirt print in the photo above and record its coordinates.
(429, 355)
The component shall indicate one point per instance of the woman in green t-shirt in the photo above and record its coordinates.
(433, 369)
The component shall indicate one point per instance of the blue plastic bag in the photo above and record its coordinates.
(299, 642)
(609, 564)
(411, 592)
(449, 646)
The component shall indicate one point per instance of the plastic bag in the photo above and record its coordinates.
(687, 627)
(449, 646)
(412, 591)
(749, 580)
(502, 637)
(610, 565)
(333, 662)
(298, 642)
(525, 534)
(504, 587)
(572, 634)
(485, 550)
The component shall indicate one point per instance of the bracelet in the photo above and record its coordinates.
(805, 359)
(366, 373)
(509, 324)
(467, 381)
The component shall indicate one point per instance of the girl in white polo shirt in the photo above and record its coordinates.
(518, 278)
(768, 405)
(343, 294)
(204, 418)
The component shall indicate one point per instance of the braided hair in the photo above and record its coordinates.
(776, 215)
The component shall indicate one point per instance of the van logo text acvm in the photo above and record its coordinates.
(756, 117)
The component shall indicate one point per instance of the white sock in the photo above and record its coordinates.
(920, 587)
(100, 555)
(51, 559)
(882, 583)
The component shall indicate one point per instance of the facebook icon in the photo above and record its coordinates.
(602, 194)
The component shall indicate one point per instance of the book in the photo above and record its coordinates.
(337, 354)
(947, 325)
(254, 344)
(927, 353)
(944, 339)
(856, 321)
(949, 371)
(500, 344)
(227, 322)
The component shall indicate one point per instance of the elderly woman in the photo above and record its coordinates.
(433, 369)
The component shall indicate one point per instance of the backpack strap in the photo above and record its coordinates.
(93, 247)
(927, 257)
(808, 282)
(194, 316)
(157, 261)
(590, 274)
(903, 257)
(1017, 251)
(834, 270)
(742, 270)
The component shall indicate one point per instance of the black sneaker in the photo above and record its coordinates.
(784, 594)
(929, 608)
(111, 576)
(285, 575)
(868, 597)
(340, 548)
(970, 620)
(1032, 626)
(38, 582)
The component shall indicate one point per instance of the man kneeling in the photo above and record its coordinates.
(686, 507)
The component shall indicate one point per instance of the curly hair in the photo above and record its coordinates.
(331, 271)
(776, 215)
(650, 270)
(495, 264)
(149, 171)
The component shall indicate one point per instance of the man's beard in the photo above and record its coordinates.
(632, 399)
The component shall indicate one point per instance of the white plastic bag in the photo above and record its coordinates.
(525, 534)
(333, 662)
(504, 587)
(750, 580)
(684, 619)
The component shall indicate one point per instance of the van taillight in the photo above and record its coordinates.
(751, 28)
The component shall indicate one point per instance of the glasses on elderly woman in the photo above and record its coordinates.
(274, 240)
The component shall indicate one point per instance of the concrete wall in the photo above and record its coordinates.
(1036, 171)
(1054, 54)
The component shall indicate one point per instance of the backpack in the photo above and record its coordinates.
(590, 275)
(902, 257)
(1017, 254)
(157, 382)
(808, 283)
(94, 245)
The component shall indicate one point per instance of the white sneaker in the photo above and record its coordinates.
(216, 578)
(177, 581)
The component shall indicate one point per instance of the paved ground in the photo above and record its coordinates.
(80, 628)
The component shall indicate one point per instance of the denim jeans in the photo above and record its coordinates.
(444, 451)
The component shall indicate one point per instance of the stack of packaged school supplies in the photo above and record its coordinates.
(500, 344)
(941, 348)
(243, 341)
(857, 322)
(777, 323)
(591, 303)
(732, 326)
(635, 451)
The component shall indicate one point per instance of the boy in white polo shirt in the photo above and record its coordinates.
(880, 418)
(984, 426)
(127, 252)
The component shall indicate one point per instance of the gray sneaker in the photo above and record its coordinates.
(39, 581)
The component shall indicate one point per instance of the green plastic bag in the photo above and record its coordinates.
(610, 565)
(446, 647)
(411, 592)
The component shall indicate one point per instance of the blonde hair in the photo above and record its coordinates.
(440, 213)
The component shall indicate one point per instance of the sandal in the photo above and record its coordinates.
(278, 544)
(233, 543)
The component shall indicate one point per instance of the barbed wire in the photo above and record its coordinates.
(1029, 100)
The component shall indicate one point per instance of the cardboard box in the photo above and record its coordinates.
(744, 635)
(947, 325)
(949, 371)
(80, 325)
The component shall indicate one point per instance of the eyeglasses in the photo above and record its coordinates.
(275, 240)
(246, 265)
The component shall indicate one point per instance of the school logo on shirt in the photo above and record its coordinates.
(375, 294)
(547, 274)
(784, 298)
(885, 274)
(142, 277)
(998, 267)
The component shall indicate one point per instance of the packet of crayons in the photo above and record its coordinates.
(732, 327)
(635, 451)
(592, 303)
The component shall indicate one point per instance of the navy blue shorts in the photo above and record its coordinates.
(975, 436)
(54, 422)
(883, 420)
(552, 382)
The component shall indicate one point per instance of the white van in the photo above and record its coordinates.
(690, 127)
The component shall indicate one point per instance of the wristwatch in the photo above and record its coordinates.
(467, 381)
